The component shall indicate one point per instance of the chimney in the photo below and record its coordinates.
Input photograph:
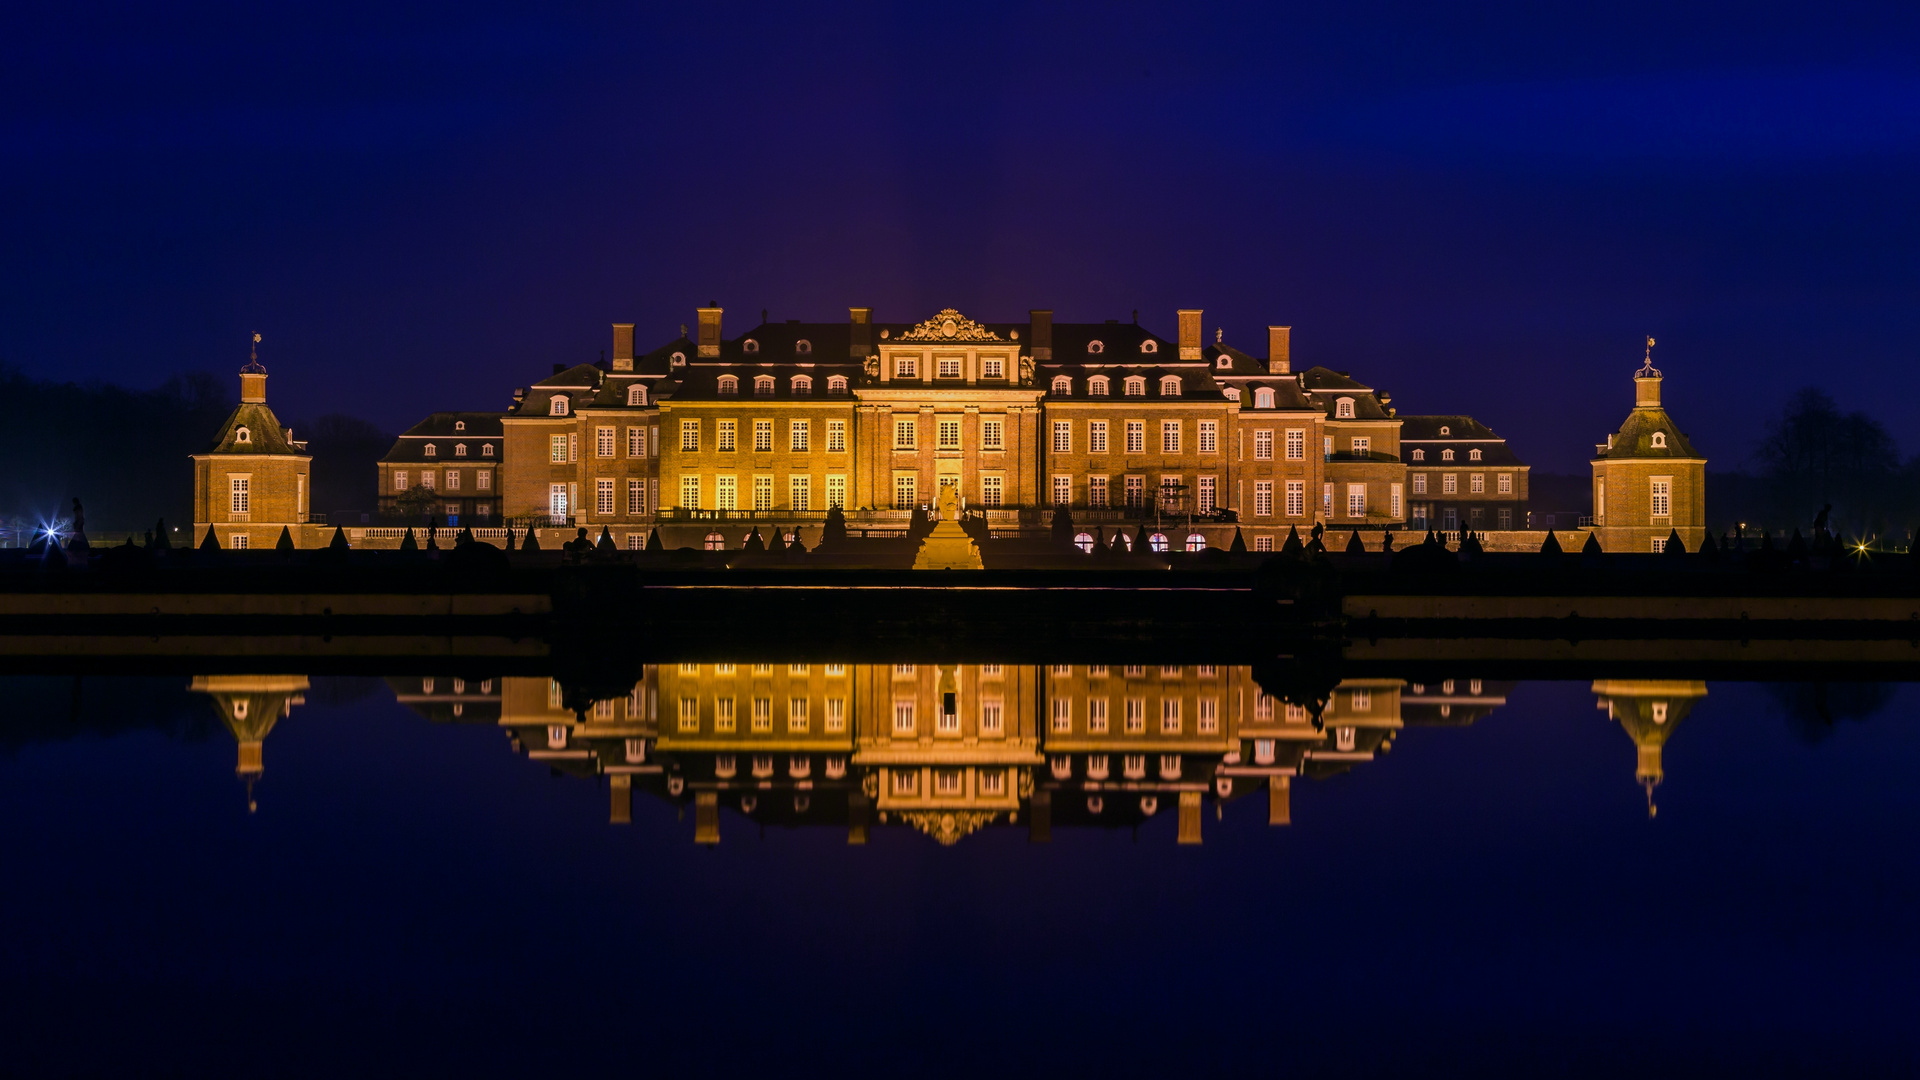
(709, 340)
(860, 332)
(623, 346)
(1189, 813)
(1040, 334)
(1279, 350)
(620, 812)
(706, 805)
(1189, 333)
(1279, 800)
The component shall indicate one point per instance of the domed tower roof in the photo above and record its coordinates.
(1648, 434)
(1648, 710)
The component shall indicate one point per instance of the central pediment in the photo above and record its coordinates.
(950, 325)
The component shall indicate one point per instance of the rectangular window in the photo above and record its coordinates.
(947, 434)
(484, 479)
(1505, 486)
(799, 436)
(689, 435)
(836, 720)
(689, 714)
(1263, 445)
(949, 367)
(636, 496)
(903, 718)
(1506, 517)
(1209, 436)
(1063, 436)
(603, 497)
(836, 491)
(906, 367)
(725, 438)
(1207, 721)
(1326, 447)
(992, 367)
(1419, 483)
(1170, 718)
(241, 491)
(636, 442)
(1062, 490)
(1296, 498)
(990, 493)
(763, 436)
(904, 428)
(1356, 500)
(453, 479)
(557, 450)
(725, 493)
(836, 436)
(800, 491)
(1263, 498)
(903, 492)
(1096, 491)
(1206, 495)
(1062, 715)
(1136, 716)
(992, 717)
(763, 492)
(992, 434)
(762, 714)
(557, 501)
(1362, 701)
(722, 714)
(1096, 436)
(1136, 491)
(399, 480)
(1326, 499)
(426, 479)
(1296, 444)
(1170, 436)
(1449, 483)
(1136, 437)
(906, 783)
(1662, 491)
(1362, 444)
(1393, 501)
(797, 714)
(1477, 483)
(603, 442)
(1097, 716)
(655, 439)
(1263, 543)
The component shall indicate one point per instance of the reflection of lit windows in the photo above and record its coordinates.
(903, 718)
(1170, 719)
(992, 716)
(1097, 716)
(1135, 766)
(1062, 715)
(689, 714)
(1169, 766)
(1136, 671)
(1343, 738)
(946, 782)
(903, 671)
(797, 715)
(836, 721)
(1262, 708)
(1296, 714)
(906, 783)
(557, 736)
(603, 710)
(724, 766)
(1208, 718)
(1097, 767)
(993, 782)
(636, 750)
(762, 714)
(1362, 700)
(1136, 716)
(723, 715)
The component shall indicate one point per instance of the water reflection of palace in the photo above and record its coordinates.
(950, 749)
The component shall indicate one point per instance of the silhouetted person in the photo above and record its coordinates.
(1820, 519)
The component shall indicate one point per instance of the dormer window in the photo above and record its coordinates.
(1062, 385)
(750, 346)
(1446, 455)
(729, 384)
(636, 395)
(1232, 392)
(1262, 398)
(432, 450)
(1136, 387)
(1445, 430)
(836, 384)
(802, 385)
(1097, 386)
(1149, 346)
(1223, 362)
(1170, 386)
(1419, 455)
(906, 367)
(1095, 348)
(763, 385)
(803, 347)
(459, 425)
(1473, 455)
(559, 405)
(1660, 440)
(486, 450)
(242, 435)
(459, 449)
(1343, 408)
(678, 359)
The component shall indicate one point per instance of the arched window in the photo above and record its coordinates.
(432, 450)
(636, 395)
(459, 425)
(678, 359)
(459, 449)
(729, 384)
(1170, 386)
(1419, 455)
(1136, 387)
(1149, 346)
(1196, 542)
(1232, 392)
(1062, 385)
(559, 405)
(1262, 398)
(1445, 430)
(716, 542)
(802, 384)
(1095, 348)
(750, 346)
(1446, 455)
(486, 449)
(763, 385)
(836, 384)
(1097, 386)
(242, 435)
(1083, 541)
(1474, 455)
(1158, 541)
(1659, 439)
(803, 347)
(1343, 408)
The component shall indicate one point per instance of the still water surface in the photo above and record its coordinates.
(1465, 878)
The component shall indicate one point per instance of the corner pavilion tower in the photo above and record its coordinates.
(254, 483)
(1648, 482)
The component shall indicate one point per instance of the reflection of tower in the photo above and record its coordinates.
(249, 705)
(1649, 710)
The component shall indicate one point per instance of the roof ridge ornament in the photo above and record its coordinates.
(254, 367)
(949, 325)
(1647, 370)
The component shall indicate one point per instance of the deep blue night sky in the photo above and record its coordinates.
(1478, 211)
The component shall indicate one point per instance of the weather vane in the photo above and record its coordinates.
(256, 337)
(254, 353)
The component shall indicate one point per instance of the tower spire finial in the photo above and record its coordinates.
(1647, 370)
(253, 353)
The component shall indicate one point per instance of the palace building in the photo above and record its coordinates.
(706, 437)
(253, 485)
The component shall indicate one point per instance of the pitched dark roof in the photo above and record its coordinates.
(440, 431)
(263, 432)
(1634, 440)
(1459, 429)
